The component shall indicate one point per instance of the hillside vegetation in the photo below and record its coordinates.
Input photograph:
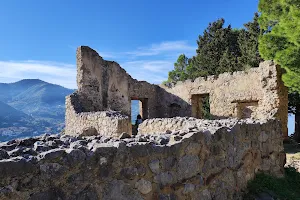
(31, 107)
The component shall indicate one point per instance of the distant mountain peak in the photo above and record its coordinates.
(31, 106)
(32, 81)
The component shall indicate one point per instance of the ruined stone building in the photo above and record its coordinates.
(174, 156)
(104, 88)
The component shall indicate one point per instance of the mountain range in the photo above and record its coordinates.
(31, 107)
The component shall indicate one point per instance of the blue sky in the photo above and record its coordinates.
(39, 38)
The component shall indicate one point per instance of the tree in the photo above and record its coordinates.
(218, 50)
(180, 70)
(280, 24)
(226, 50)
(248, 44)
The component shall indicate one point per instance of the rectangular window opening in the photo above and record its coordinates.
(246, 109)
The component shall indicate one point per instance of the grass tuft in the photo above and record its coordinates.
(286, 188)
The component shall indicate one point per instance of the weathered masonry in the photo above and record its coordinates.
(102, 104)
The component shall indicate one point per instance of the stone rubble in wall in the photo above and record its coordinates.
(151, 126)
(212, 160)
(109, 113)
(31, 148)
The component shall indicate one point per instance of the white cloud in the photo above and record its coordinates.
(164, 48)
(52, 72)
(157, 60)
(152, 71)
(150, 64)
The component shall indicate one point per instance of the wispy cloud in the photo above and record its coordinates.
(164, 48)
(150, 64)
(153, 63)
(153, 71)
(53, 72)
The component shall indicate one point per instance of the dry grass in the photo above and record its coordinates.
(293, 156)
(292, 150)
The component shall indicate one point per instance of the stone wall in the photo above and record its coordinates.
(103, 85)
(111, 123)
(257, 93)
(212, 160)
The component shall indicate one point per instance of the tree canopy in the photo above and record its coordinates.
(220, 49)
(180, 72)
(280, 24)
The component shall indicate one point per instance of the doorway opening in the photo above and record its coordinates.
(201, 106)
(139, 106)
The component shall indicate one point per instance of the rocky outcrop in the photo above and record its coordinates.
(210, 160)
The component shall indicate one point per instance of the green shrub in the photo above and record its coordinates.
(286, 188)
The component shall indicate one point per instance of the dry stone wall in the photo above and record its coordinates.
(212, 160)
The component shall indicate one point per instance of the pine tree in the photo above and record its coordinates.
(248, 44)
(218, 49)
(180, 70)
(280, 22)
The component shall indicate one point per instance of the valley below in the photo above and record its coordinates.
(31, 107)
